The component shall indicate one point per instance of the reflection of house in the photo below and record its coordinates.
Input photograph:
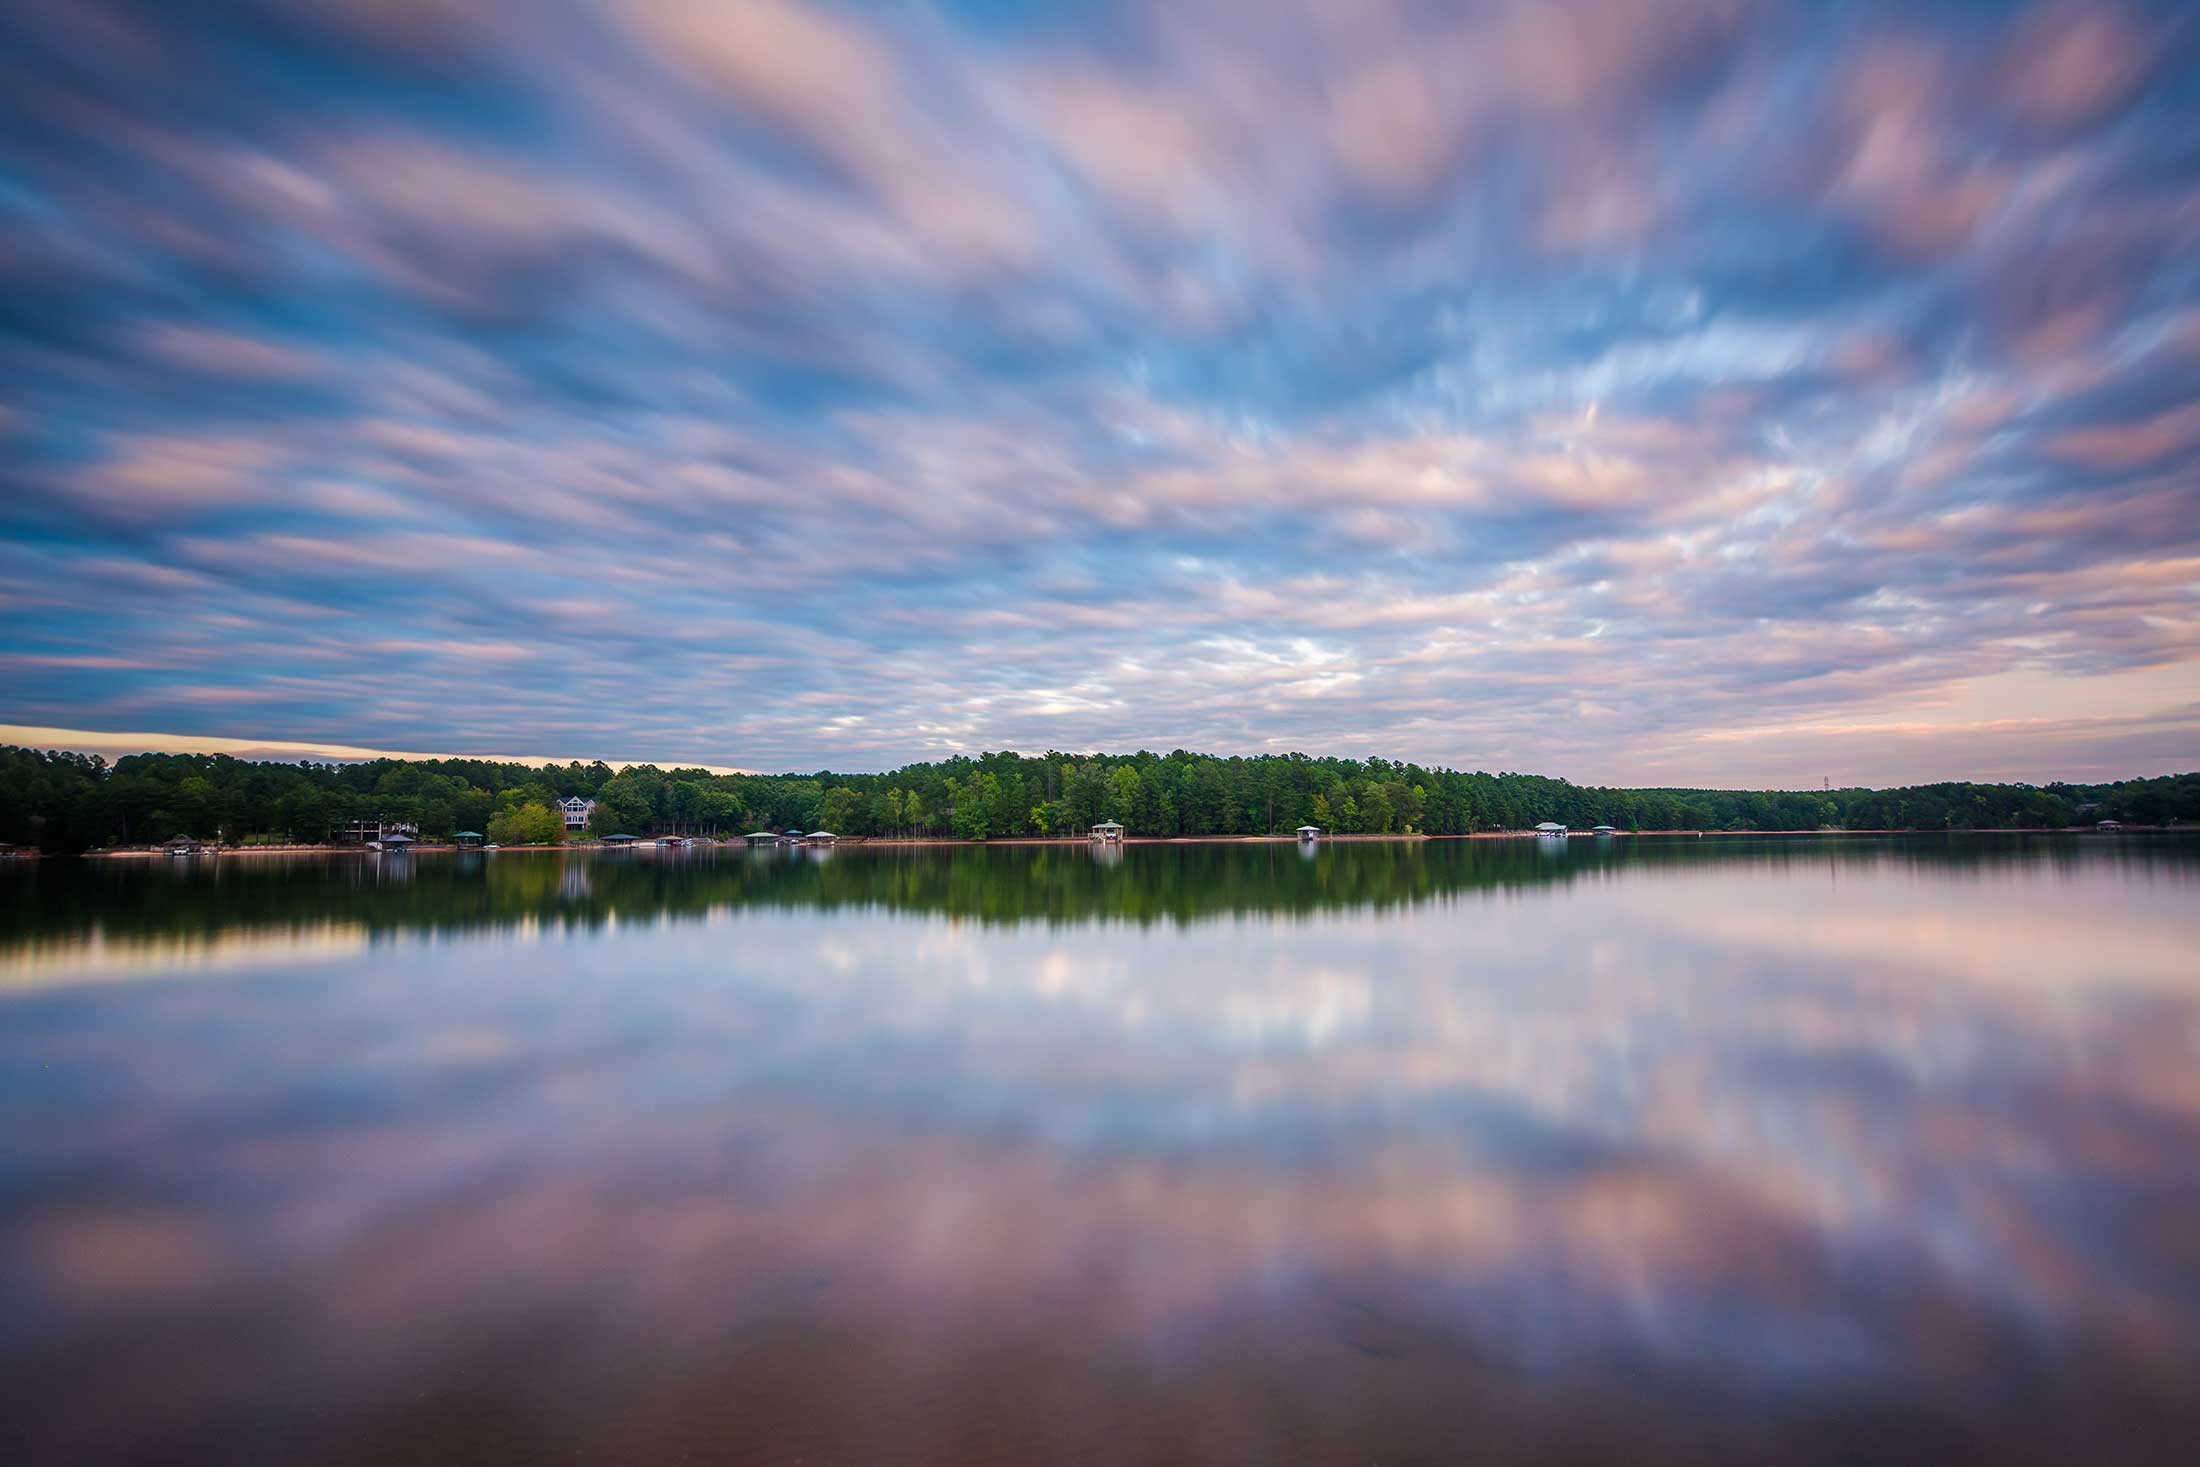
(576, 811)
(1107, 830)
(382, 827)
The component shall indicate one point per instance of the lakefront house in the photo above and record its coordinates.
(576, 810)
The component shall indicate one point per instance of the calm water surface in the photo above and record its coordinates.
(1785, 1150)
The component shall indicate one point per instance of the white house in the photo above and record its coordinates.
(576, 811)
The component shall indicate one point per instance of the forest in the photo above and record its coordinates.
(64, 802)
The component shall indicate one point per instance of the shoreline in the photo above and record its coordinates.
(930, 841)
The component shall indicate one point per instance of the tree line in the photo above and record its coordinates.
(65, 802)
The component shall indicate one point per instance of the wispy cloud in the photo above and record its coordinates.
(1635, 393)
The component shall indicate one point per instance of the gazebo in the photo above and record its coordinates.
(1310, 832)
(1107, 830)
(621, 839)
(1550, 827)
(763, 837)
(467, 837)
(819, 838)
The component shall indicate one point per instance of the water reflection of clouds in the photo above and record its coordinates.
(1708, 1125)
(96, 957)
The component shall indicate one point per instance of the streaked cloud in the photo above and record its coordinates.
(1512, 385)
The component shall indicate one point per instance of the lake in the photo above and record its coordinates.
(1659, 1150)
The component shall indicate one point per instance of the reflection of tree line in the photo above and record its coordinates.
(1053, 885)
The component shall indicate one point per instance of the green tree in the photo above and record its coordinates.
(1123, 794)
(840, 811)
(1087, 792)
(620, 812)
(974, 801)
(531, 824)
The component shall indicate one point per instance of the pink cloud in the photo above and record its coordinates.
(1868, 355)
(2117, 446)
(838, 88)
(176, 476)
(226, 353)
(1601, 193)
(1898, 167)
(2071, 61)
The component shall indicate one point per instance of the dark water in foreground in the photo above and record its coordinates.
(1789, 1150)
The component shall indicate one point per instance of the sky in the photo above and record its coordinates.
(1705, 392)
